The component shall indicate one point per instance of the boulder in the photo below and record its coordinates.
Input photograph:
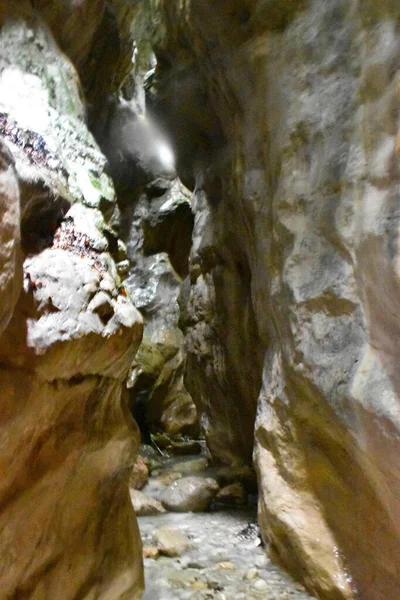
(189, 494)
(145, 505)
(171, 542)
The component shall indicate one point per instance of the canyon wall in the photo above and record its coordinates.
(69, 330)
(285, 120)
(157, 228)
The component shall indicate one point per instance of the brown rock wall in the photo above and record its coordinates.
(10, 253)
(292, 299)
(67, 527)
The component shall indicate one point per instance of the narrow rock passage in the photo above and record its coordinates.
(225, 559)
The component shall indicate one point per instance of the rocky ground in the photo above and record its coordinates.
(218, 553)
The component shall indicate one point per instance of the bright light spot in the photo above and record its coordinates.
(19, 90)
(166, 155)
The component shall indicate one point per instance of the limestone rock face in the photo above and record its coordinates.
(157, 230)
(97, 37)
(285, 118)
(10, 253)
(67, 527)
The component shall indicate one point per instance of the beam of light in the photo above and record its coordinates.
(165, 154)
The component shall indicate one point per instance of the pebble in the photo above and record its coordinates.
(151, 552)
(261, 561)
(234, 494)
(171, 542)
(260, 584)
(144, 505)
(225, 565)
(199, 585)
(251, 574)
(195, 565)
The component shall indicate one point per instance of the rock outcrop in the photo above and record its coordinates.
(285, 120)
(157, 231)
(10, 251)
(67, 528)
(155, 220)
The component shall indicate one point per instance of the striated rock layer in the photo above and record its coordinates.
(69, 333)
(285, 117)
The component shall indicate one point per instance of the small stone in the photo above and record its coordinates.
(144, 505)
(261, 561)
(251, 574)
(212, 484)
(195, 565)
(199, 585)
(151, 552)
(171, 542)
(260, 584)
(233, 494)
(226, 565)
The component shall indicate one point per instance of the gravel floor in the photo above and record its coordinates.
(226, 560)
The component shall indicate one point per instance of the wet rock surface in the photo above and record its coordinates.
(190, 494)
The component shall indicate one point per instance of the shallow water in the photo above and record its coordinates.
(226, 560)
